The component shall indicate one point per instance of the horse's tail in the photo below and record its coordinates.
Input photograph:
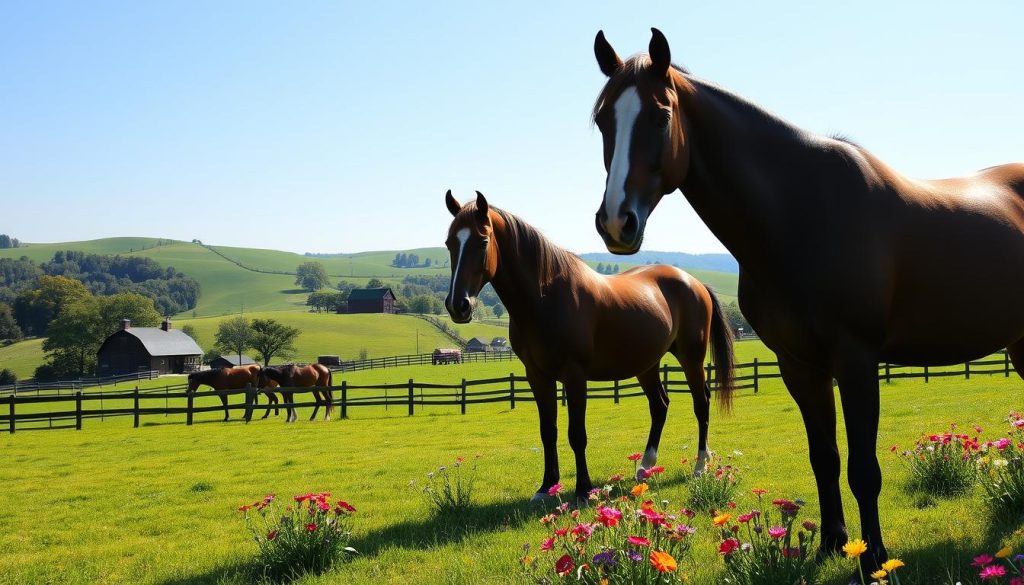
(722, 354)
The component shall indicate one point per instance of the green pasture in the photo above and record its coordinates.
(158, 504)
(22, 357)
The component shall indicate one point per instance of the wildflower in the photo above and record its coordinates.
(992, 572)
(582, 532)
(652, 516)
(728, 546)
(791, 552)
(662, 561)
(608, 516)
(634, 457)
(892, 564)
(879, 574)
(688, 513)
(1003, 552)
(323, 505)
(656, 470)
(616, 478)
(311, 527)
(811, 526)
(759, 491)
(982, 560)
(244, 508)
(548, 543)
(562, 531)
(555, 490)
(777, 532)
(346, 506)
(606, 557)
(638, 541)
(460, 459)
(634, 556)
(855, 548)
(639, 490)
(744, 518)
(272, 534)
(1016, 581)
(564, 565)
(721, 519)
(548, 518)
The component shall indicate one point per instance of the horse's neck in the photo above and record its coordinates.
(516, 281)
(744, 167)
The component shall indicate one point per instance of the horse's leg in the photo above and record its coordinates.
(657, 402)
(693, 366)
(576, 399)
(812, 391)
(547, 410)
(224, 401)
(289, 398)
(858, 390)
(329, 404)
(270, 401)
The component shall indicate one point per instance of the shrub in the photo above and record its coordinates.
(623, 537)
(759, 551)
(449, 488)
(306, 537)
(7, 377)
(943, 465)
(1001, 471)
(714, 488)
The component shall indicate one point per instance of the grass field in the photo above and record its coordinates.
(158, 504)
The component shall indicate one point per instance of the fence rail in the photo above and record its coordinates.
(421, 359)
(39, 409)
(72, 385)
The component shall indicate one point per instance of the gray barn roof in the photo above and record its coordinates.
(233, 360)
(159, 342)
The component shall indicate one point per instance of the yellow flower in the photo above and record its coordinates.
(879, 574)
(892, 564)
(855, 548)
(1003, 552)
(639, 490)
(721, 519)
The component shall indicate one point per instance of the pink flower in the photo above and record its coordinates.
(608, 516)
(548, 544)
(638, 541)
(981, 560)
(652, 516)
(1003, 443)
(555, 490)
(616, 478)
(561, 531)
(744, 518)
(1016, 581)
(810, 526)
(688, 513)
(323, 505)
(992, 572)
(777, 532)
(728, 545)
(582, 532)
(346, 506)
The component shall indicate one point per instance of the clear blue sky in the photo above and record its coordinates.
(329, 126)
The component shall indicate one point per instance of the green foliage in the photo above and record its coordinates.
(7, 377)
(7, 241)
(271, 338)
(449, 488)
(311, 276)
(499, 310)
(375, 283)
(943, 464)
(758, 550)
(8, 325)
(1001, 472)
(715, 487)
(34, 309)
(234, 336)
(330, 302)
(189, 330)
(736, 318)
(425, 304)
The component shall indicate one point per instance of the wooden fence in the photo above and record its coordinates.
(42, 408)
(421, 359)
(70, 386)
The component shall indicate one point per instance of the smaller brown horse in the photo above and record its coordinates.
(293, 376)
(237, 378)
(568, 323)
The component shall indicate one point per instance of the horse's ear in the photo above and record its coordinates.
(607, 60)
(661, 56)
(481, 208)
(453, 205)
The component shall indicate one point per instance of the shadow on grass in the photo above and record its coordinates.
(232, 573)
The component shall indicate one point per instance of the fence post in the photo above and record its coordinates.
(615, 391)
(755, 376)
(664, 376)
(78, 410)
(926, 374)
(188, 410)
(512, 390)
(411, 397)
(12, 400)
(967, 370)
(344, 399)
(887, 373)
(135, 407)
(1006, 362)
(463, 396)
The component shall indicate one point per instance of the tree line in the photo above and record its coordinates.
(7, 241)
(267, 337)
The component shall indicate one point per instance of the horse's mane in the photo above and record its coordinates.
(632, 72)
(529, 243)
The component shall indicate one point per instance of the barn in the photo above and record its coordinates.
(478, 344)
(371, 300)
(134, 349)
(231, 361)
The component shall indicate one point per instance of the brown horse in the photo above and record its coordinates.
(230, 379)
(843, 262)
(293, 376)
(570, 324)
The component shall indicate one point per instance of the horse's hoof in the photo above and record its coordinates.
(539, 498)
(641, 475)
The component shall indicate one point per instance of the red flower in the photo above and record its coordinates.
(728, 545)
(791, 552)
(981, 561)
(562, 531)
(638, 541)
(548, 544)
(608, 516)
(634, 457)
(244, 508)
(272, 535)
(759, 491)
(810, 526)
(564, 565)
(311, 527)
(346, 506)
(744, 518)
(323, 505)
(616, 478)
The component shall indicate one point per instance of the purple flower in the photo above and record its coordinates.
(634, 556)
(605, 558)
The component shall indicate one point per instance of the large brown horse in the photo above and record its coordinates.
(570, 324)
(293, 376)
(843, 261)
(231, 379)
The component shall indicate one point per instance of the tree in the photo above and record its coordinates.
(499, 310)
(189, 330)
(74, 337)
(34, 309)
(311, 276)
(234, 336)
(7, 377)
(616, 269)
(424, 304)
(427, 263)
(600, 267)
(375, 283)
(270, 338)
(5, 241)
(8, 326)
(140, 309)
(736, 319)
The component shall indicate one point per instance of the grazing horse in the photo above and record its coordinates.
(570, 324)
(229, 379)
(844, 262)
(292, 376)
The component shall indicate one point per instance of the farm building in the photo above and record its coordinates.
(135, 349)
(500, 344)
(478, 344)
(371, 300)
(231, 361)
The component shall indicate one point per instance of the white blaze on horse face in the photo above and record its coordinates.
(627, 108)
(462, 236)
